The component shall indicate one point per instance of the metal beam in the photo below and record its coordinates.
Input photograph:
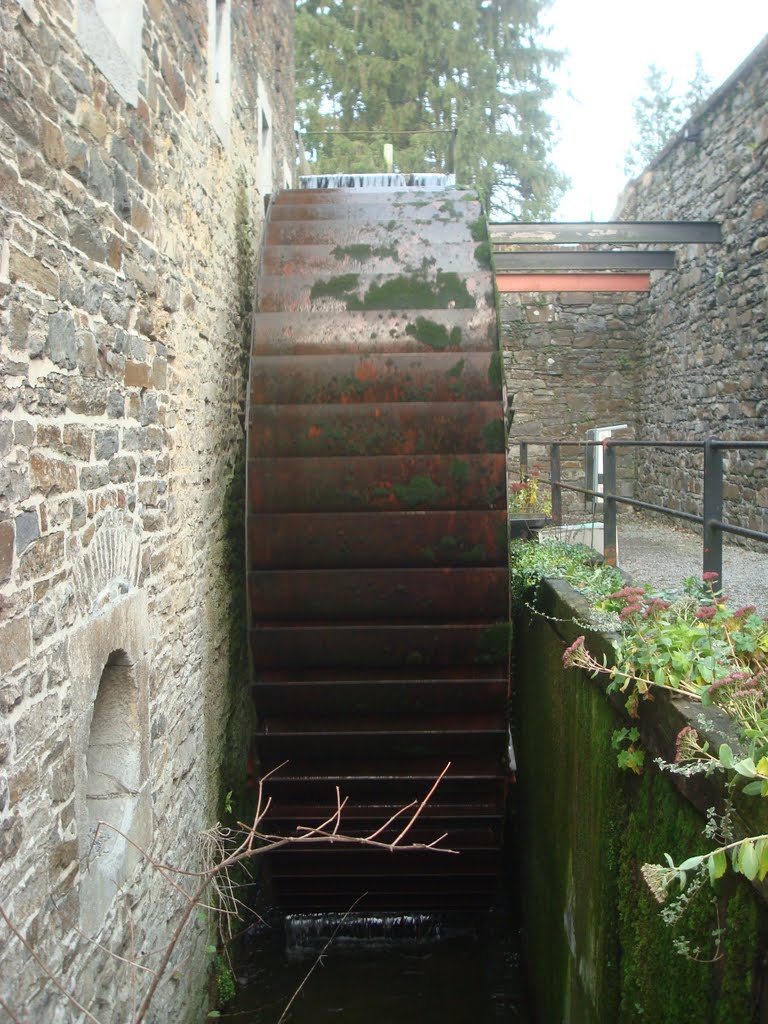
(607, 232)
(573, 282)
(532, 260)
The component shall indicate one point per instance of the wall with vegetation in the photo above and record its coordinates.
(705, 337)
(130, 207)
(570, 365)
(596, 944)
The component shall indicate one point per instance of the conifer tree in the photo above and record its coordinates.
(454, 84)
(660, 112)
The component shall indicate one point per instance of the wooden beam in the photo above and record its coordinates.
(565, 260)
(607, 232)
(573, 282)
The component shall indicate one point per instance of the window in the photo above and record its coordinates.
(113, 789)
(264, 114)
(109, 32)
(220, 65)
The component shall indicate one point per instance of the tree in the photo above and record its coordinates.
(453, 84)
(659, 113)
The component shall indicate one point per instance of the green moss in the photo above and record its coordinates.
(413, 292)
(495, 370)
(598, 944)
(452, 289)
(361, 252)
(460, 472)
(493, 644)
(494, 436)
(337, 287)
(483, 254)
(473, 555)
(479, 229)
(420, 490)
(433, 334)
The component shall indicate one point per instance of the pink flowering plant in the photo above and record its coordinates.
(697, 645)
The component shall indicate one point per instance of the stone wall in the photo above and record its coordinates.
(704, 365)
(570, 365)
(596, 945)
(122, 388)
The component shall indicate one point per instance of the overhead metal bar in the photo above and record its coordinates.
(532, 260)
(573, 282)
(613, 232)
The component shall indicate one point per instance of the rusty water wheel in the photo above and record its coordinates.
(377, 543)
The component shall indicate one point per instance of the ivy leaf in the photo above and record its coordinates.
(691, 863)
(748, 860)
(725, 756)
(761, 848)
(754, 788)
(745, 767)
(717, 863)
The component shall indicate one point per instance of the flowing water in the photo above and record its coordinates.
(395, 970)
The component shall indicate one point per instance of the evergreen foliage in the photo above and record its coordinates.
(659, 113)
(453, 84)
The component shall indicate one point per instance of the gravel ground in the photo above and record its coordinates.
(664, 555)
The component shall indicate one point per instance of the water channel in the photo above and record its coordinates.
(402, 970)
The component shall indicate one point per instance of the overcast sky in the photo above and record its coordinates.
(610, 44)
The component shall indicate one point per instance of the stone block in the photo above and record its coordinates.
(87, 238)
(76, 160)
(137, 375)
(42, 558)
(122, 469)
(107, 443)
(7, 544)
(27, 530)
(33, 273)
(35, 723)
(141, 218)
(15, 642)
(52, 143)
(51, 476)
(62, 340)
(77, 440)
(93, 477)
(100, 182)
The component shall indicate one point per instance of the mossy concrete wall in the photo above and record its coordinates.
(596, 945)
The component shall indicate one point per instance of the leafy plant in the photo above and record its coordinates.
(630, 755)
(531, 562)
(526, 496)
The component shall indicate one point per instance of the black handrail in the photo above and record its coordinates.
(711, 519)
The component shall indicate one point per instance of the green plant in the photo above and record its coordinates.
(630, 754)
(531, 562)
(526, 496)
(694, 644)
(225, 981)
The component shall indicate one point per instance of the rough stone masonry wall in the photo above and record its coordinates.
(120, 394)
(570, 365)
(704, 365)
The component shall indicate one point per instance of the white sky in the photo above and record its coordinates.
(610, 44)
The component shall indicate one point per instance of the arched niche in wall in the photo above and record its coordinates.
(112, 786)
(110, 663)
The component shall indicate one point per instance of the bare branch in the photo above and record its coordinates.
(319, 958)
(9, 1011)
(423, 803)
(44, 967)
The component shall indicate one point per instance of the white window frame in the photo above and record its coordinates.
(109, 32)
(220, 66)
(266, 136)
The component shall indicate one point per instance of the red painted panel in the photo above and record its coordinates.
(573, 282)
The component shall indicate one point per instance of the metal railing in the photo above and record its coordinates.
(712, 504)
